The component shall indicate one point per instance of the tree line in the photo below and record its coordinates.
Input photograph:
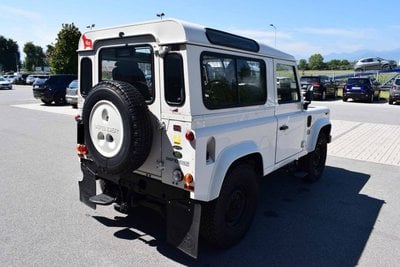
(316, 62)
(60, 56)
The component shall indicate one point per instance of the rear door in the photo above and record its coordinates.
(289, 113)
(136, 64)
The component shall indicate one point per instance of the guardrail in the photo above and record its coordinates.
(364, 73)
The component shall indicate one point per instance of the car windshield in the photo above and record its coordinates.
(357, 81)
(309, 79)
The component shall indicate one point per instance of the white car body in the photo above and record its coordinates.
(273, 133)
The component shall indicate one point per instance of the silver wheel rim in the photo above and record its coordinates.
(106, 128)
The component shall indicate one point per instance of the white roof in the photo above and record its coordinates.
(168, 31)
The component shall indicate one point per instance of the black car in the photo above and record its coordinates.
(53, 88)
(365, 89)
(322, 86)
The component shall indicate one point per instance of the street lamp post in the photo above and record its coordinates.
(272, 25)
(90, 27)
(160, 15)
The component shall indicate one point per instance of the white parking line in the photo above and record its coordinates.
(372, 142)
(66, 110)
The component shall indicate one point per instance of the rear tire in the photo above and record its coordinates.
(46, 102)
(226, 220)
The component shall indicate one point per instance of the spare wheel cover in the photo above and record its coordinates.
(106, 128)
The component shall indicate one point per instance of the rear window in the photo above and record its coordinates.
(132, 64)
(358, 82)
(73, 84)
(309, 79)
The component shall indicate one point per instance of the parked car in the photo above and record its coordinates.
(10, 77)
(72, 94)
(21, 78)
(5, 84)
(52, 89)
(394, 95)
(374, 63)
(322, 86)
(365, 89)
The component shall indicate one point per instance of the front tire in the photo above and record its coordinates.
(227, 219)
(314, 162)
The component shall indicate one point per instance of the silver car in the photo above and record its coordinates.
(374, 63)
(72, 94)
(5, 84)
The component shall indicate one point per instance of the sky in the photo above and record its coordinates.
(301, 27)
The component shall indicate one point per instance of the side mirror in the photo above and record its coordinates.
(308, 97)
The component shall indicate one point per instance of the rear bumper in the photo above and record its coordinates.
(71, 99)
(357, 95)
(395, 97)
(42, 95)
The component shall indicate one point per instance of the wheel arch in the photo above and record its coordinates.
(231, 157)
(322, 126)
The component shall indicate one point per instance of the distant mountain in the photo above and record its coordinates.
(391, 54)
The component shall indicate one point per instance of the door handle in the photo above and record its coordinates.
(283, 127)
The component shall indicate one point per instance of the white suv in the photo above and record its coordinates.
(185, 119)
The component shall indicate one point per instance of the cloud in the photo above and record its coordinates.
(304, 42)
(17, 13)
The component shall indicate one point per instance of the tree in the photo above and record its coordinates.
(303, 64)
(9, 54)
(334, 64)
(63, 58)
(316, 62)
(34, 56)
(345, 64)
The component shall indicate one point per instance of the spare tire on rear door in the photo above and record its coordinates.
(118, 128)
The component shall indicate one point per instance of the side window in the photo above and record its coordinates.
(86, 76)
(229, 81)
(174, 80)
(287, 87)
(131, 64)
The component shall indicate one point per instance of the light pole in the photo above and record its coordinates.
(90, 27)
(160, 15)
(272, 25)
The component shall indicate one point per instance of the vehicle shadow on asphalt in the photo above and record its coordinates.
(327, 223)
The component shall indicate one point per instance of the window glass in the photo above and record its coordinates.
(288, 89)
(86, 76)
(230, 81)
(231, 40)
(174, 80)
(132, 64)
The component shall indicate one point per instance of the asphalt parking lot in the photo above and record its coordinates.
(348, 218)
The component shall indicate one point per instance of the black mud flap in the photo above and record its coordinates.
(183, 225)
(87, 187)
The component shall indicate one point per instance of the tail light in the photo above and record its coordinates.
(189, 136)
(188, 178)
(316, 84)
(82, 150)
